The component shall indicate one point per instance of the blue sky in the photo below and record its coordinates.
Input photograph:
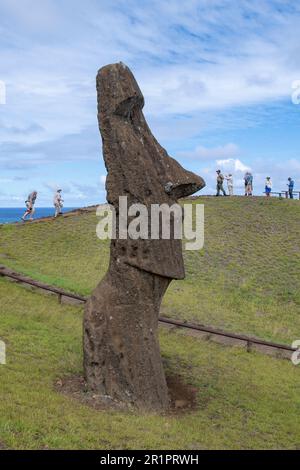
(216, 75)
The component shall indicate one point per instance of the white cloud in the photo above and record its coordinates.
(187, 57)
(232, 164)
(205, 153)
(41, 16)
(53, 187)
(200, 64)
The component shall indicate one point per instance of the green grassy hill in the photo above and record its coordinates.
(244, 401)
(246, 279)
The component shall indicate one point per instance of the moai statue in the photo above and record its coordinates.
(121, 350)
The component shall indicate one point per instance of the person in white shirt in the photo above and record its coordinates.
(268, 187)
(58, 202)
(229, 179)
(30, 210)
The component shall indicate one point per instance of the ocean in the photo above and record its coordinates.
(14, 214)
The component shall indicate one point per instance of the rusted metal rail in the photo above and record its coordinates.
(214, 331)
(206, 332)
(6, 272)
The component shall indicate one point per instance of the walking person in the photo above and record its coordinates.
(220, 181)
(229, 179)
(291, 185)
(268, 187)
(248, 178)
(58, 203)
(30, 209)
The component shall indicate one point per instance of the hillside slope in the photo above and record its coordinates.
(245, 279)
(235, 390)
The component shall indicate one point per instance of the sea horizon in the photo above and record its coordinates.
(13, 214)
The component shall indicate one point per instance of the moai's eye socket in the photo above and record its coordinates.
(127, 107)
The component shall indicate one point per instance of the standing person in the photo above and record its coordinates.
(30, 210)
(245, 181)
(58, 202)
(250, 184)
(248, 178)
(229, 179)
(268, 187)
(220, 181)
(291, 185)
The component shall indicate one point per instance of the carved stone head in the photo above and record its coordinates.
(139, 168)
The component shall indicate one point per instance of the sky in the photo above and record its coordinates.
(221, 81)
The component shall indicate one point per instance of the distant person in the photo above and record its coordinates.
(291, 185)
(58, 203)
(220, 182)
(248, 179)
(30, 209)
(268, 186)
(229, 179)
(246, 182)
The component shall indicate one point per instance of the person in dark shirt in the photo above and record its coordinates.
(248, 179)
(291, 185)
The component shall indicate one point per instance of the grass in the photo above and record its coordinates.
(246, 279)
(236, 391)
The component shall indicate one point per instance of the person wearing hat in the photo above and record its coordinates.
(30, 210)
(229, 179)
(58, 203)
(220, 181)
(268, 187)
(291, 185)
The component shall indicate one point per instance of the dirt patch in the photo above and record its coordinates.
(183, 397)
(75, 387)
(2, 446)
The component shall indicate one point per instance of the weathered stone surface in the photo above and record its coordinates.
(121, 349)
